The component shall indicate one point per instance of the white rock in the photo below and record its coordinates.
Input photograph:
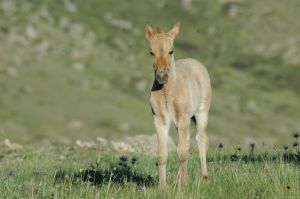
(8, 5)
(234, 11)
(8, 144)
(31, 32)
(124, 126)
(77, 30)
(141, 85)
(119, 23)
(78, 66)
(121, 147)
(64, 22)
(211, 30)
(131, 59)
(16, 38)
(26, 89)
(251, 105)
(105, 84)
(187, 4)
(76, 54)
(85, 144)
(70, 6)
(12, 71)
(102, 141)
(75, 124)
(43, 46)
(147, 144)
(121, 44)
(45, 13)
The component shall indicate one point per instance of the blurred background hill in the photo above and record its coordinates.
(81, 69)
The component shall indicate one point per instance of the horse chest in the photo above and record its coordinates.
(166, 106)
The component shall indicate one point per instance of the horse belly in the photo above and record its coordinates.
(195, 97)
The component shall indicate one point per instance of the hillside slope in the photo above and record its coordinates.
(80, 69)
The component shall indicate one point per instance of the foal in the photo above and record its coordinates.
(181, 90)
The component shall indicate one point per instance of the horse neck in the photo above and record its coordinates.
(171, 75)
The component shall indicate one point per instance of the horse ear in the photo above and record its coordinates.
(148, 31)
(175, 30)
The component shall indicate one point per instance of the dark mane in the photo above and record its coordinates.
(156, 85)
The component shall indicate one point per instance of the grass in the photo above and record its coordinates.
(76, 70)
(61, 171)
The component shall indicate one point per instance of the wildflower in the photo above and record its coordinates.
(234, 157)
(123, 158)
(121, 164)
(133, 160)
(252, 145)
(221, 146)
(11, 173)
(295, 144)
(296, 135)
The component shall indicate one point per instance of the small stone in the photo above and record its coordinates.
(26, 89)
(31, 32)
(141, 85)
(8, 144)
(70, 6)
(121, 44)
(13, 72)
(75, 124)
(105, 84)
(234, 11)
(124, 126)
(121, 147)
(64, 22)
(119, 23)
(102, 141)
(43, 46)
(85, 144)
(78, 66)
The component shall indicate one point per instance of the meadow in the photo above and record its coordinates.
(61, 171)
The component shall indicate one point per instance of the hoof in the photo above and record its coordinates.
(205, 177)
(162, 186)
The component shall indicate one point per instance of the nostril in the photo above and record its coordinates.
(160, 75)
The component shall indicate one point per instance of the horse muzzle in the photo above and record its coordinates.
(161, 76)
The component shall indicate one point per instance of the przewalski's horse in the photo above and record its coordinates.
(181, 91)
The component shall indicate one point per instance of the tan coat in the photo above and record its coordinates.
(181, 90)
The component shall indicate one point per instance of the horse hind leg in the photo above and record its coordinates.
(201, 137)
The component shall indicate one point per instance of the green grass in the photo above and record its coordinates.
(59, 65)
(30, 173)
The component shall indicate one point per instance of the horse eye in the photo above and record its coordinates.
(151, 53)
(171, 52)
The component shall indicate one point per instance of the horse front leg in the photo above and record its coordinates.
(162, 125)
(183, 149)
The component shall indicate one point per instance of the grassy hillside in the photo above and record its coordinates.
(80, 69)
